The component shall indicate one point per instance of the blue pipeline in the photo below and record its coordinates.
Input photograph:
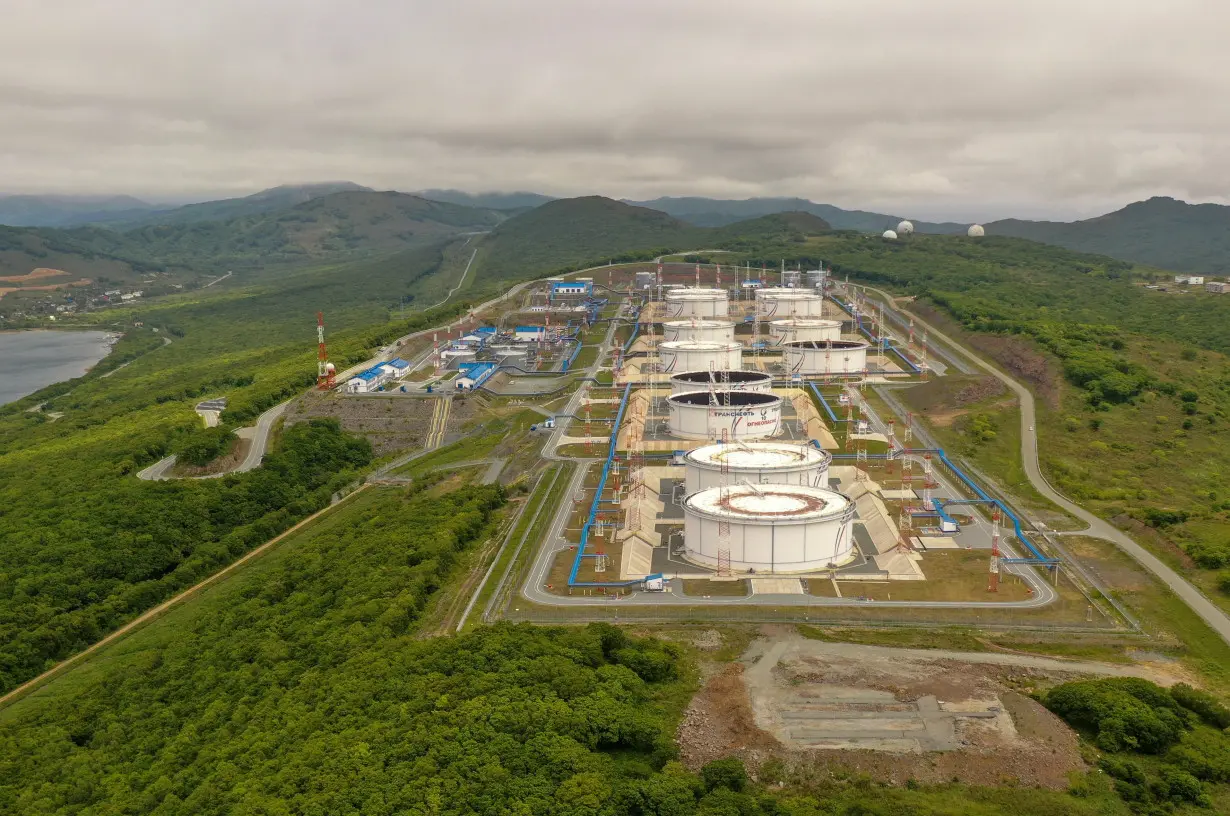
(575, 352)
(827, 408)
(1038, 557)
(593, 510)
(889, 345)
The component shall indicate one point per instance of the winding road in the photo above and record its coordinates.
(1098, 527)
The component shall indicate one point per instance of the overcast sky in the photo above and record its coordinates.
(944, 108)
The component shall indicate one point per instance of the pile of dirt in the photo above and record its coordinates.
(719, 722)
(979, 390)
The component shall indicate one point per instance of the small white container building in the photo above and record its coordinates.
(803, 328)
(700, 303)
(721, 381)
(724, 415)
(769, 528)
(689, 355)
(709, 331)
(825, 357)
(756, 463)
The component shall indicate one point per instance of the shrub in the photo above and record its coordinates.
(1206, 705)
(724, 773)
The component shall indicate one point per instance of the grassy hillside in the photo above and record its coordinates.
(571, 232)
(266, 201)
(69, 211)
(713, 212)
(1161, 231)
(333, 224)
(494, 201)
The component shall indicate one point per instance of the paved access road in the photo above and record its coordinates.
(1098, 528)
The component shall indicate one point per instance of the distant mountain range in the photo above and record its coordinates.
(69, 211)
(1161, 232)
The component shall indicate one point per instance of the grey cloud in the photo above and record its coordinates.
(927, 109)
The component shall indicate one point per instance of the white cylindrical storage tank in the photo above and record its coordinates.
(701, 303)
(815, 277)
(802, 328)
(790, 278)
(721, 381)
(771, 528)
(756, 463)
(825, 357)
(729, 415)
(792, 304)
(767, 292)
(687, 355)
(708, 331)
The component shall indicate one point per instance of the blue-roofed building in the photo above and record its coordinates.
(473, 375)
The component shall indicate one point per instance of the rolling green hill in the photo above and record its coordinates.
(70, 211)
(272, 200)
(713, 212)
(572, 232)
(338, 223)
(494, 201)
(567, 234)
(1161, 231)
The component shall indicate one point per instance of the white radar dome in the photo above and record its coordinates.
(905, 228)
(889, 235)
(976, 231)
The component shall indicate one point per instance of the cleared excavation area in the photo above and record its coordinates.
(828, 709)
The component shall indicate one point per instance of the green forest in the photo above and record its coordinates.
(301, 686)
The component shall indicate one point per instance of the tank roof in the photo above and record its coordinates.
(758, 456)
(715, 377)
(700, 324)
(736, 399)
(824, 345)
(692, 293)
(769, 503)
(807, 323)
(794, 294)
(699, 345)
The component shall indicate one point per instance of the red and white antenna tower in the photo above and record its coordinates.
(717, 278)
(324, 368)
(659, 280)
(698, 274)
(850, 425)
(435, 350)
(993, 577)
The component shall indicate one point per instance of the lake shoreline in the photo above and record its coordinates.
(33, 359)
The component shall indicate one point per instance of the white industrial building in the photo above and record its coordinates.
(802, 328)
(756, 463)
(769, 528)
(724, 415)
(825, 357)
(710, 331)
(688, 355)
(720, 381)
(697, 302)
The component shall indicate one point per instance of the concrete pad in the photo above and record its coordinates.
(937, 543)
(899, 495)
(776, 586)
